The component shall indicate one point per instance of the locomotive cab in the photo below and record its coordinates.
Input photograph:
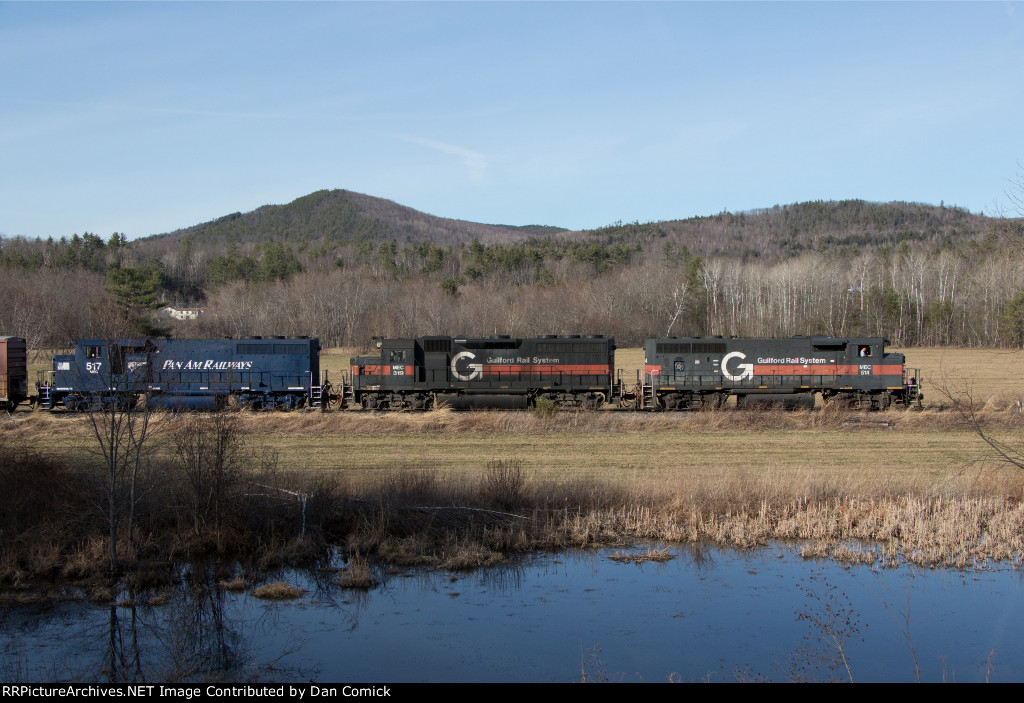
(96, 374)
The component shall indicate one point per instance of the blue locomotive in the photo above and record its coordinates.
(193, 374)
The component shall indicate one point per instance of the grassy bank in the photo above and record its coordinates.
(460, 490)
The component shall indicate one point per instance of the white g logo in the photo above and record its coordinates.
(475, 370)
(747, 370)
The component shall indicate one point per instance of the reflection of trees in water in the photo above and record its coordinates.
(702, 556)
(502, 577)
(186, 638)
(197, 634)
(499, 578)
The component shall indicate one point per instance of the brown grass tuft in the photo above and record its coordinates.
(357, 575)
(657, 555)
(278, 591)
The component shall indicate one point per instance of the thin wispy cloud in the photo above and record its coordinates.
(474, 161)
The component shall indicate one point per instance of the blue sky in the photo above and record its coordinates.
(147, 117)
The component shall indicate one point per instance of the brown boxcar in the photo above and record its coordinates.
(13, 372)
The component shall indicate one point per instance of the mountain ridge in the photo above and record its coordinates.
(344, 216)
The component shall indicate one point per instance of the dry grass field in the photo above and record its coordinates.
(921, 482)
(854, 448)
(886, 488)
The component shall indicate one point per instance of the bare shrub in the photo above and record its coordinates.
(209, 451)
(504, 483)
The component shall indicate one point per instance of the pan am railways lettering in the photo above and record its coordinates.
(208, 365)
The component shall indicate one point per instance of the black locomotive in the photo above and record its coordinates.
(493, 372)
(687, 373)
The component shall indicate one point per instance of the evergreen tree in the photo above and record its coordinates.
(135, 290)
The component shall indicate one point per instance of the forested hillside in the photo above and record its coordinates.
(344, 267)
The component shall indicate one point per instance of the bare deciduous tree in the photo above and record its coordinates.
(121, 429)
(209, 451)
(960, 394)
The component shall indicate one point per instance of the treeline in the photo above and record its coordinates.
(189, 271)
(972, 297)
(89, 252)
(919, 275)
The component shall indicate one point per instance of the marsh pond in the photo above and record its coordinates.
(699, 615)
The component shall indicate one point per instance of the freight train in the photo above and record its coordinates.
(465, 372)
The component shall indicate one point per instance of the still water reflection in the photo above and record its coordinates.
(704, 616)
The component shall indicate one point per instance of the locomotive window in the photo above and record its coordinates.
(92, 352)
(397, 356)
(863, 350)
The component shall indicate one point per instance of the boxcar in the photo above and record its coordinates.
(493, 372)
(197, 374)
(13, 372)
(683, 373)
